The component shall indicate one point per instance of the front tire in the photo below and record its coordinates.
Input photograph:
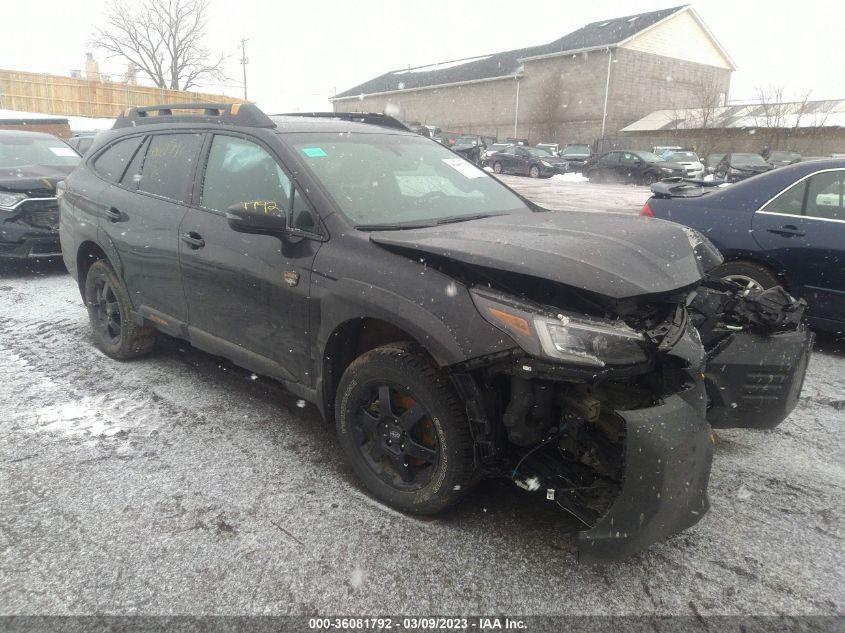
(534, 172)
(404, 430)
(649, 179)
(107, 300)
(497, 168)
(750, 275)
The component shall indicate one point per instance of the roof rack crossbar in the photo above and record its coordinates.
(246, 114)
(371, 118)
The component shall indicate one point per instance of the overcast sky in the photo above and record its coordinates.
(300, 53)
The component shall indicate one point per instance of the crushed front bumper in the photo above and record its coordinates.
(754, 380)
(668, 454)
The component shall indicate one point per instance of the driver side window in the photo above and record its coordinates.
(239, 171)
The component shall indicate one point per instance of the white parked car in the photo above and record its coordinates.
(691, 162)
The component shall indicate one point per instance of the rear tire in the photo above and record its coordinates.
(749, 274)
(109, 308)
(404, 430)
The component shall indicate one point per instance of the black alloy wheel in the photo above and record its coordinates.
(396, 436)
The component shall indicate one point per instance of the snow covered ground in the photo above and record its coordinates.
(179, 483)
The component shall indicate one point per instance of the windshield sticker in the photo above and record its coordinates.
(63, 151)
(314, 152)
(463, 167)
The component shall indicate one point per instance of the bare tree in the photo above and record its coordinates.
(779, 118)
(162, 38)
(703, 112)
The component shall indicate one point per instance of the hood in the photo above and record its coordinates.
(669, 165)
(580, 157)
(754, 169)
(612, 255)
(36, 181)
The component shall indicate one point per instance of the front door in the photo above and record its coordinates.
(803, 230)
(142, 225)
(248, 290)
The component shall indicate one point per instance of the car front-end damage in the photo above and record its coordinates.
(609, 418)
(622, 352)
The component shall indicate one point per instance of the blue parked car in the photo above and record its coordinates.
(783, 227)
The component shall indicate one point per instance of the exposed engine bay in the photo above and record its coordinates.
(626, 449)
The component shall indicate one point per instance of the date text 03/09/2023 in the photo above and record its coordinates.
(418, 623)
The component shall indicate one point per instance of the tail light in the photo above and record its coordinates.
(646, 211)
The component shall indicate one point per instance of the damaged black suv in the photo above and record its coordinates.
(449, 327)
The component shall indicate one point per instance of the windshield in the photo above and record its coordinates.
(467, 140)
(537, 152)
(499, 146)
(649, 157)
(576, 150)
(20, 151)
(393, 179)
(683, 157)
(784, 156)
(747, 160)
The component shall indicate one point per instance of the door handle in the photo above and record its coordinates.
(788, 230)
(193, 240)
(115, 215)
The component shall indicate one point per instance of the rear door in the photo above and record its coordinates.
(249, 292)
(803, 231)
(142, 223)
(608, 166)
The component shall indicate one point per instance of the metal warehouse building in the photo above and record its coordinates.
(587, 85)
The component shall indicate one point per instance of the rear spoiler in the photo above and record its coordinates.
(371, 118)
(684, 187)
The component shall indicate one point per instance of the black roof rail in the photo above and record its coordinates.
(371, 118)
(246, 114)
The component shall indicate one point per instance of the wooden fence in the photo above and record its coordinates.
(53, 94)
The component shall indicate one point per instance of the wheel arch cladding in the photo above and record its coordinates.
(88, 253)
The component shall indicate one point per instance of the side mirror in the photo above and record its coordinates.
(263, 217)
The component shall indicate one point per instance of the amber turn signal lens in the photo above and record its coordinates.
(511, 321)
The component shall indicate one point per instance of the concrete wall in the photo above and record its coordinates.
(484, 107)
(561, 99)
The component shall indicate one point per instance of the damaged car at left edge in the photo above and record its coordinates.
(451, 329)
(31, 163)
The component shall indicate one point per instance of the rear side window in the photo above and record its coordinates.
(132, 175)
(112, 162)
(240, 171)
(168, 165)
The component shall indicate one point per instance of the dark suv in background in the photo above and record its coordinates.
(450, 328)
(31, 163)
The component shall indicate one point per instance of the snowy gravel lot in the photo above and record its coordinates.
(179, 484)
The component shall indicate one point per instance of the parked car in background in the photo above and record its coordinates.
(785, 227)
(690, 161)
(739, 166)
(641, 168)
(31, 163)
(665, 150)
(551, 148)
(779, 158)
(492, 149)
(711, 162)
(418, 128)
(526, 161)
(81, 142)
(804, 159)
(470, 147)
(576, 155)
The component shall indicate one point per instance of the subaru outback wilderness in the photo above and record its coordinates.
(450, 328)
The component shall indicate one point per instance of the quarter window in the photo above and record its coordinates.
(790, 201)
(111, 163)
(240, 171)
(825, 196)
(168, 165)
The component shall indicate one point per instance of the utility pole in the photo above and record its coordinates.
(244, 62)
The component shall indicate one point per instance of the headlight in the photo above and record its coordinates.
(545, 163)
(668, 170)
(575, 339)
(9, 200)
